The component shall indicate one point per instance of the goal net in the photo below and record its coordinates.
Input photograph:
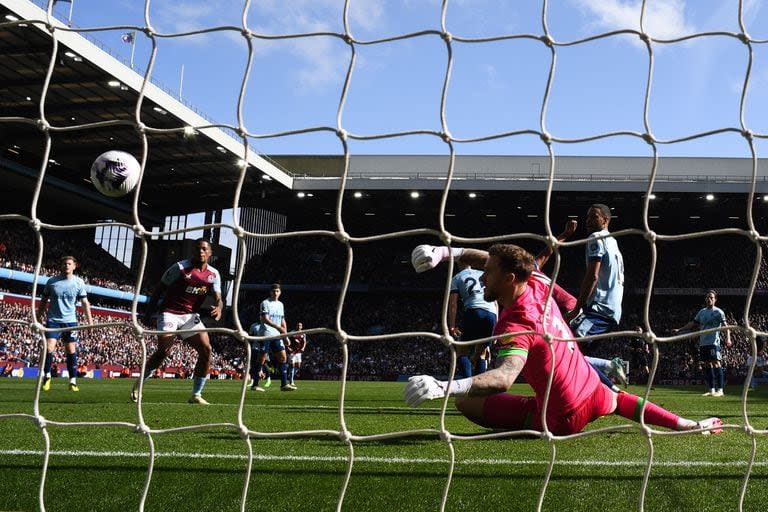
(542, 55)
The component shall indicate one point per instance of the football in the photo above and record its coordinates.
(115, 173)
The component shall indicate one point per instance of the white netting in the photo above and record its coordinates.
(246, 136)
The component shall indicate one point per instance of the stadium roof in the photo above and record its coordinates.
(91, 104)
(525, 173)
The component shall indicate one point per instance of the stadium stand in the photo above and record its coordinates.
(19, 252)
(311, 270)
(115, 346)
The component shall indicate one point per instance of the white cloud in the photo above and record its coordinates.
(367, 14)
(323, 59)
(193, 15)
(492, 77)
(319, 57)
(664, 19)
(752, 7)
(186, 16)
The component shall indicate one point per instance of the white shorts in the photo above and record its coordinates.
(296, 358)
(171, 322)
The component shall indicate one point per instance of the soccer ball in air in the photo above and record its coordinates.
(115, 173)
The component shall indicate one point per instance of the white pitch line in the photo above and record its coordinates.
(298, 406)
(380, 460)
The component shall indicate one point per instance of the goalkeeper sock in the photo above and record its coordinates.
(465, 366)
(72, 367)
(197, 385)
(630, 406)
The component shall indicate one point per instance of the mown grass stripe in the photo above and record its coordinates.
(382, 460)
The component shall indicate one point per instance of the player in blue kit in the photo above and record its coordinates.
(478, 319)
(272, 323)
(710, 317)
(598, 304)
(63, 292)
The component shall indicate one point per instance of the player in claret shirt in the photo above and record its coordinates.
(297, 344)
(183, 288)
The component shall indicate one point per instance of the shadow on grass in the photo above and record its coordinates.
(435, 470)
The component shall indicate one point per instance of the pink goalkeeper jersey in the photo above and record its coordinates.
(574, 379)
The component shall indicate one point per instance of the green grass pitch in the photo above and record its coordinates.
(104, 468)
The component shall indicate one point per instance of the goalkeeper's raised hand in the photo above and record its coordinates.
(426, 257)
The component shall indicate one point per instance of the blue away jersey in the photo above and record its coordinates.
(63, 294)
(275, 312)
(609, 291)
(467, 284)
(708, 318)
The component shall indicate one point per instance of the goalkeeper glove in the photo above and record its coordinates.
(426, 387)
(426, 257)
(423, 387)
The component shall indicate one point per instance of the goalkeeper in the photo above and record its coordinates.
(577, 396)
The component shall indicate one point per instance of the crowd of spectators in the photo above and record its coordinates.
(364, 317)
(19, 250)
(386, 297)
(689, 263)
(113, 345)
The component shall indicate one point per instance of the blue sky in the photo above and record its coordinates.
(495, 87)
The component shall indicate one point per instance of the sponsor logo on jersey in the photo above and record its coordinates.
(196, 290)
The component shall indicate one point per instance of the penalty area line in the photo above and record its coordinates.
(378, 460)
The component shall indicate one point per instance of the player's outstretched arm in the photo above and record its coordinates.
(426, 257)
(687, 327)
(546, 252)
(421, 388)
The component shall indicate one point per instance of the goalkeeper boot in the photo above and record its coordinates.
(73, 387)
(713, 424)
(197, 399)
(47, 384)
